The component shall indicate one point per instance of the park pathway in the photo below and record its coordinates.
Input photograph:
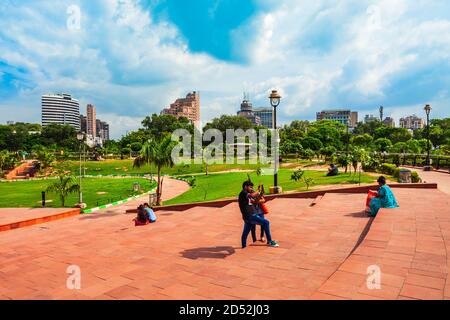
(171, 188)
(442, 179)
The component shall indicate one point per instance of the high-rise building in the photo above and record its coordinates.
(105, 131)
(345, 117)
(83, 123)
(188, 107)
(370, 118)
(266, 116)
(390, 122)
(412, 122)
(91, 128)
(60, 109)
(248, 112)
(102, 130)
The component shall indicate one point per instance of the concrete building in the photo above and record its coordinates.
(248, 112)
(188, 107)
(266, 116)
(390, 122)
(60, 109)
(102, 130)
(412, 122)
(83, 123)
(346, 117)
(370, 118)
(91, 126)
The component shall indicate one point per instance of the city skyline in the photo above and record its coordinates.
(145, 54)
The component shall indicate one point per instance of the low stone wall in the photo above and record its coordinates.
(293, 195)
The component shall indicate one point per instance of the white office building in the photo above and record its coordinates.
(60, 109)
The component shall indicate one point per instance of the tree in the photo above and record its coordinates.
(64, 186)
(158, 126)
(413, 146)
(312, 143)
(383, 144)
(368, 128)
(328, 152)
(159, 153)
(229, 122)
(64, 136)
(297, 175)
(343, 161)
(8, 160)
(364, 140)
(45, 157)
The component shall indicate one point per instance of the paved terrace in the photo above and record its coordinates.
(196, 254)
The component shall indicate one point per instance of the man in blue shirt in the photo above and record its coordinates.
(150, 212)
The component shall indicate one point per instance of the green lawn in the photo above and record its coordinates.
(96, 191)
(219, 186)
(125, 167)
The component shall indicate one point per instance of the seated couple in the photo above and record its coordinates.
(145, 215)
(252, 207)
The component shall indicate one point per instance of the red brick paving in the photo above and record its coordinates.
(196, 254)
(24, 217)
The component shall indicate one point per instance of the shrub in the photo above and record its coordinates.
(387, 168)
(415, 178)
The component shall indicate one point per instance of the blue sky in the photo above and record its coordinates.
(132, 58)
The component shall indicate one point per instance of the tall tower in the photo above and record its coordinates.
(381, 113)
(60, 109)
(91, 120)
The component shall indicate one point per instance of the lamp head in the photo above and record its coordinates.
(275, 98)
(427, 109)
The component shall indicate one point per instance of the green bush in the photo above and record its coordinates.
(396, 173)
(415, 178)
(388, 169)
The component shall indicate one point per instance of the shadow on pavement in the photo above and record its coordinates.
(94, 216)
(208, 253)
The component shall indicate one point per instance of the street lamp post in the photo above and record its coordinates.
(428, 163)
(275, 100)
(81, 138)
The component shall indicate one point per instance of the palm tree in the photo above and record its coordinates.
(64, 186)
(159, 153)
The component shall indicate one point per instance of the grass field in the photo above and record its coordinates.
(125, 167)
(219, 186)
(96, 191)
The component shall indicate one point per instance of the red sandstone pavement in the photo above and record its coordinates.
(8, 215)
(11, 218)
(442, 179)
(196, 254)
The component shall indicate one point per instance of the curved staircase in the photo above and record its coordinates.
(24, 171)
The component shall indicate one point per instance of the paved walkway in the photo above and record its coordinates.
(171, 189)
(196, 254)
(409, 245)
(22, 214)
(442, 179)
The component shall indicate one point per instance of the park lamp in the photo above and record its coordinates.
(427, 109)
(80, 136)
(275, 98)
